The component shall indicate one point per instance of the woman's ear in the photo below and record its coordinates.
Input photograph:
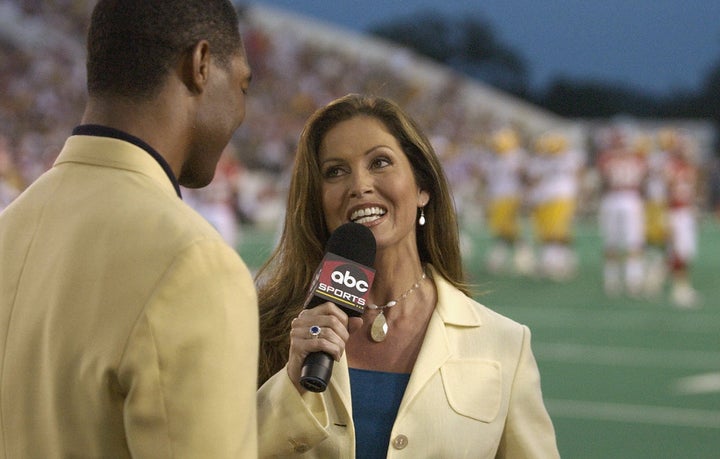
(423, 198)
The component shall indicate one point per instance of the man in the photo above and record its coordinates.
(128, 327)
(682, 177)
(554, 173)
(502, 169)
(656, 208)
(622, 170)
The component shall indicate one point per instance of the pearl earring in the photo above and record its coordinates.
(421, 221)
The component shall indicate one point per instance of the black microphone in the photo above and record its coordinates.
(344, 277)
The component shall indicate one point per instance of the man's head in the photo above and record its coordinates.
(133, 44)
(184, 62)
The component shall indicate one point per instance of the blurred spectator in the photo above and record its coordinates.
(11, 183)
(217, 202)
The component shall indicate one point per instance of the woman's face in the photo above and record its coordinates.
(367, 179)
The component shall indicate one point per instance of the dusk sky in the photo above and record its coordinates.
(656, 45)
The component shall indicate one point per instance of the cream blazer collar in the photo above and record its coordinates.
(115, 153)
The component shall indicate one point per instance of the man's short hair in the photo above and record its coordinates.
(132, 44)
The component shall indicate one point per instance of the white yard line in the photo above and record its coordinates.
(707, 383)
(634, 414)
(647, 319)
(626, 356)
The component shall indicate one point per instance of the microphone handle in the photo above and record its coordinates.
(317, 367)
(316, 371)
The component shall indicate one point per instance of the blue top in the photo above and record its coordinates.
(376, 397)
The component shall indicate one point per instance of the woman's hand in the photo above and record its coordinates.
(333, 335)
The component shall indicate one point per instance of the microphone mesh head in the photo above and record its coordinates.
(354, 242)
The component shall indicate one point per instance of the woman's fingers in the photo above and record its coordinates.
(320, 329)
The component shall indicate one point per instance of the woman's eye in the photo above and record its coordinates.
(380, 162)
(331, 172)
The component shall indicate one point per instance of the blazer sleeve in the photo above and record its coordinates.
(529, 432)
(189, 371)
(289, 423)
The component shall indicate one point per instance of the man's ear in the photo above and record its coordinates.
(196, 67)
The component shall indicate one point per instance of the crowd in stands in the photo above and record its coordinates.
(42, 82)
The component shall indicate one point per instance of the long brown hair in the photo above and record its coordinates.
(284, 279)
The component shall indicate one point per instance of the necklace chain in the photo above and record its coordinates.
(379, 327)
(392, 303)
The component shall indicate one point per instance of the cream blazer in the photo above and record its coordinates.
(474, 393)
(128, 328)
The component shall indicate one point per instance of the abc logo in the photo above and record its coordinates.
(350, 277)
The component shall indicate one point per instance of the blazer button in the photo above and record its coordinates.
(400, 442)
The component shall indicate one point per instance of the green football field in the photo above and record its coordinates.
(621, 378)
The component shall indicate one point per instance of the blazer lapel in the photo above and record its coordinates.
(453, 309)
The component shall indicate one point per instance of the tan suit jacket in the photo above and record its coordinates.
(474, 393)
(128, 328)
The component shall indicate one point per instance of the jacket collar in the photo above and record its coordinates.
(108, 132)
(117, 153)
(453, 306)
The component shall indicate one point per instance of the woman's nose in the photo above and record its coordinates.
(361, 184)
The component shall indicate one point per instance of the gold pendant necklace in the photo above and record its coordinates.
(379, 328)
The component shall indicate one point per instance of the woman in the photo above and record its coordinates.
(447, 377)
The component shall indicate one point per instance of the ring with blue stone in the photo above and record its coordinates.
(315, 331)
